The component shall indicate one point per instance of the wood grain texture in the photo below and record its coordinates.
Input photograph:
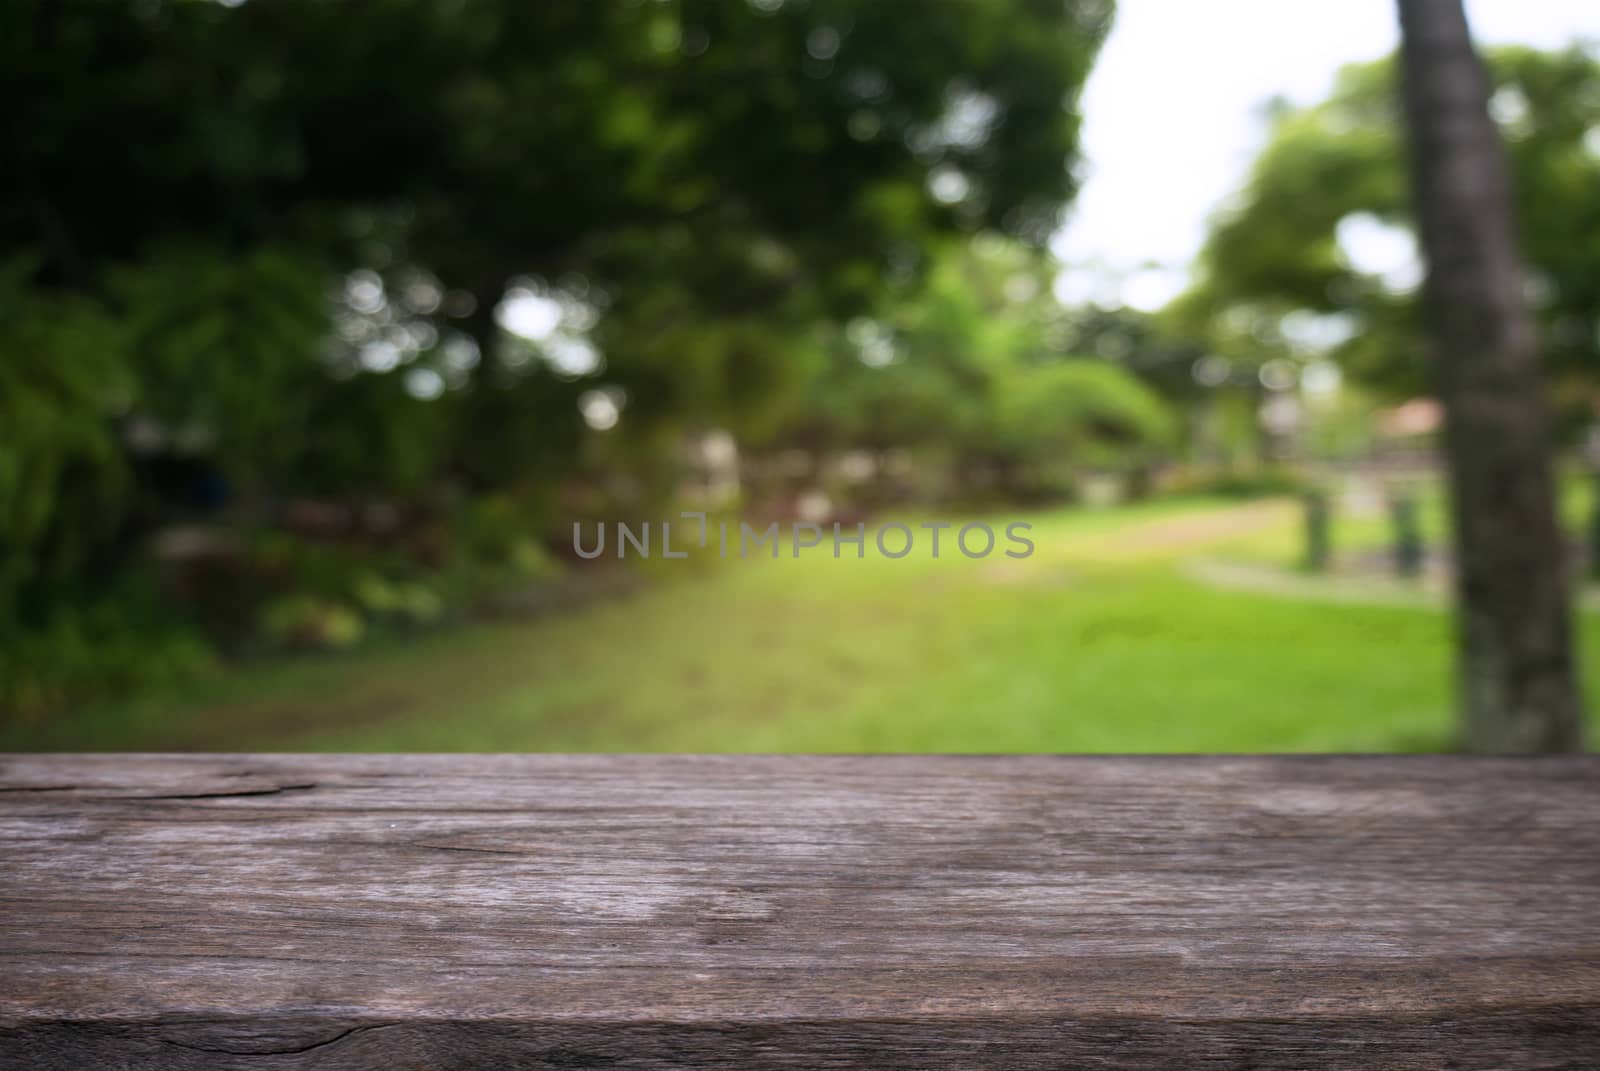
(491, 912)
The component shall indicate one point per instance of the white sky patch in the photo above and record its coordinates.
(1591, 141)
(555, 321)
(1278, 374)
(364, 291)
(422, 294)
(1021, 288)
(1317, 333)
(601, 409)
(529, 315)
(873, 341)
(1076, 286)
(424, 383)
(460, 354)
(948, 185)
(1151, 288)
(1373, 247)
(1172, 111)
(422, 335)
(1211, 371)
(1321, 378)
(968, 119)
(1509, 107)
(574, 357)
(379, 356)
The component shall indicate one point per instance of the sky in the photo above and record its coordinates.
(1172, 116)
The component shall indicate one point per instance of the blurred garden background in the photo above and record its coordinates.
(322, 325)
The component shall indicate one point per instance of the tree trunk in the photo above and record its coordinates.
(1518, 680)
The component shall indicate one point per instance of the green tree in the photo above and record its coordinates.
(968, 371)
(287, 240)
(1338, 166)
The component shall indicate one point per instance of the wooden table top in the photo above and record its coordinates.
(640, 912)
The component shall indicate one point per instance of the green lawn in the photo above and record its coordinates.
(1099, 642)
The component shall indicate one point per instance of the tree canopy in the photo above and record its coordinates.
(390, 251)
(1319, 249)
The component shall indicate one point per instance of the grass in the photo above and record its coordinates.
(1100, 641)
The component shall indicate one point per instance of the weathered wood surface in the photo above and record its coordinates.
(496, 912)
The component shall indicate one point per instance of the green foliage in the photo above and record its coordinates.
(329, 597)
(1057, 409)
(494, 531)
(968, 370)
(1267, 481)
(224, 350)
(364, 434)
(62, 476)
(309, 622)
(1276, 253)
(92, 650)
(273, 244)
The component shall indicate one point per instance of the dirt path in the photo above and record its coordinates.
(1176, 537)
(1367, 590)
